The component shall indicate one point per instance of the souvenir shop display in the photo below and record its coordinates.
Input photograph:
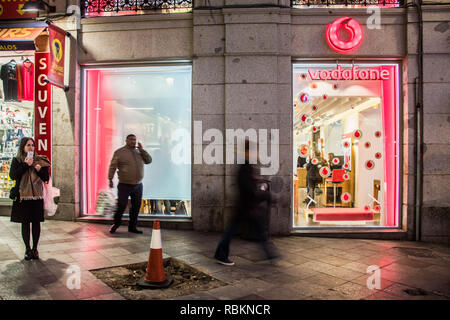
(16, 112)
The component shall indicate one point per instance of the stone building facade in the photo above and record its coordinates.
(242, 52)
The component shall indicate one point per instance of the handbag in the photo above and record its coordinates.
(14, 193)
(49, 194)
(106, 203)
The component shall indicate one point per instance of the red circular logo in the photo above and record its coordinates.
(357, 134)
(346, 166)
(378, 155)
(325, 172)
(315, 129)
(378, 134)
(304, 117)
(370, 164)
(303, 97)
(346, 176)
(367, 144)
(335, 161)
(303, 151)
(346, 197)
(314, 161)
(355, 35)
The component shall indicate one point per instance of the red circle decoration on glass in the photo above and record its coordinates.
(346, 144)
(325, 96)
(346, 166)
(335, 161)
(314, 108)
(303, 151)
(303, 76)
(324, 172)
(303, 117)
(354, 31)
(377, 134)
(346, 197)
(314, 85)
(367, 144)
(303, 97)
(357, 134)
(346, 176)
(335, 86)
(367, 208)
(378, 155)
(314, 161)
(370, 164)
(315, 129)
(377, 208)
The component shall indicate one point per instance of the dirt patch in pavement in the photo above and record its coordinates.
(186, 280)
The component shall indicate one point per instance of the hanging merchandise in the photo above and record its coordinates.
(25, 80)
(8, 76)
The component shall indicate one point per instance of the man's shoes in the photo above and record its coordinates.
(113, 228)
(225, 262)
(135, 231)
(28, 254)
(34, 254)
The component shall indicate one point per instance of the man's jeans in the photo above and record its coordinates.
(135, 192)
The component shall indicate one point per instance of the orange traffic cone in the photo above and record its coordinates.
(155, 276)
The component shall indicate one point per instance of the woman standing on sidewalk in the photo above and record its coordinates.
(30, 172)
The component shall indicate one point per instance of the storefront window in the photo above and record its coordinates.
(346, 150)
(16, 111)
(154, 103)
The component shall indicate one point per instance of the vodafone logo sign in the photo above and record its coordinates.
(354, 31)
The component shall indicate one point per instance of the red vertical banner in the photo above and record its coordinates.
(42, 106)
(57, 41)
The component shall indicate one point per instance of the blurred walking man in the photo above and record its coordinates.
(250, 208)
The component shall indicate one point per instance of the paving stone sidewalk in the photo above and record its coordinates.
(311, 268)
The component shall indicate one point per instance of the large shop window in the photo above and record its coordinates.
(346, 145)
(154, 103)
(16, 111)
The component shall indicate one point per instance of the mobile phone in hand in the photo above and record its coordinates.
(30, 154)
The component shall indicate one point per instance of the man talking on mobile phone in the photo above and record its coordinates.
(129, 161)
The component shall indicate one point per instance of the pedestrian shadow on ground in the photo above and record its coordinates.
(29, 277)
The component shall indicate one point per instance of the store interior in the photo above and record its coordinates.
(16, 109)
(154, 103)
(338, 163)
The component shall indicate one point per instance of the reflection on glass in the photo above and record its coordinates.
(339, 171)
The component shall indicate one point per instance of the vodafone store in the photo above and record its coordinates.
(346, 145)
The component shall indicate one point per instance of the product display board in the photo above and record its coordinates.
(16, 112)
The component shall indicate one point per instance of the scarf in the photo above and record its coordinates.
(31, 187)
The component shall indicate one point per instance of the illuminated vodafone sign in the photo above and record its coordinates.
(355, 73)
(354, 31)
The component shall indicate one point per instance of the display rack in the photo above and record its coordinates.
(16, 122)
